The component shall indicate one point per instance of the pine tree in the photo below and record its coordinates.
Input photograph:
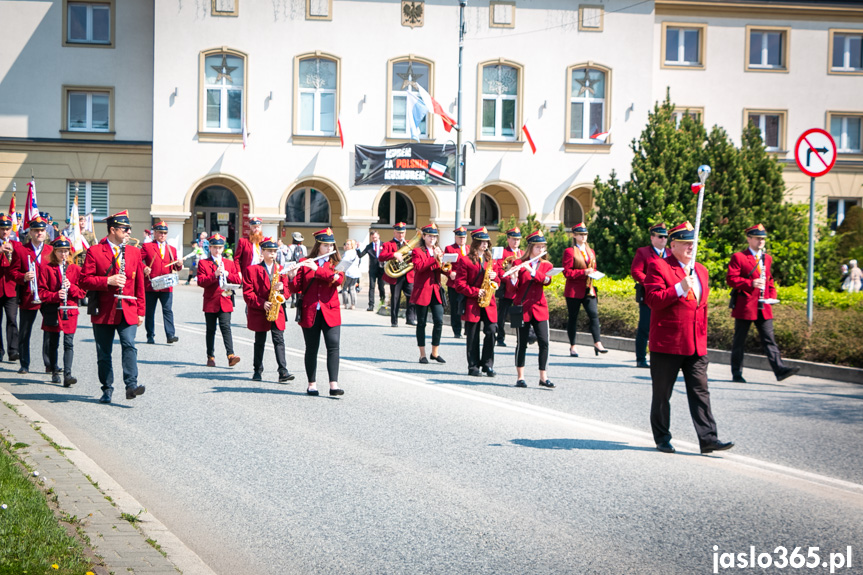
(557, 240)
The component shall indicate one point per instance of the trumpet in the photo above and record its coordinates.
(34, 283)
(444, 267)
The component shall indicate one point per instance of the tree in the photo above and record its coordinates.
(557, 240)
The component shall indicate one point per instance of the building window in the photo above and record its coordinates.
(772, 126)
(406, 76)
(307, 206)
(587, 108)
(224, 83)
(501, 14)
(319, 9)
(500, 112)
(317, 100)
(88, 111)
(590, 18)
(92, 198)
(573, 213)
(226, 8)
(681, 112)
(683, 45)
(767, 49)
(395, 207)
(484, 211)
(89, 23)
(837, 208)
(846, 132)
(846, 51)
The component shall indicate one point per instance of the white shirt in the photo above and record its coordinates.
(695, 288)
(354, 270)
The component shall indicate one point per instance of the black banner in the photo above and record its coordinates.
(405, 165)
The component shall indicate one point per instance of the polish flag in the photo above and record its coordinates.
(529, 139)
(696, 187)
(341, 134)
(600, 137)
(436, 108)
(13, 215)
(437, 169)
(31, 210)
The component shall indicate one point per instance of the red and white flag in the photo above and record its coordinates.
(529, 138)
(437, 169)
(600, 137)
(696, 187)
(31, 210)
(13, 215)
(436, 108)
(341, 134)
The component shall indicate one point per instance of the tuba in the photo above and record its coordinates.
(396, 269)
(275, 298)
(488, 285)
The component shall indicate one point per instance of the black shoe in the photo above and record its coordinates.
(413, 323)
(13, 357)
(738, 379)
(489, 372)
(106, 396)
(597, 351)
(665, 447)
(787, 372)
(151, 341)
(337, 391)
(457, 335)
(55, 377)
(424, 360)
(312, 392)
(370, 308)
(257, 376)
(521, 383)
(285, 377)
(395, 325)
(474, 372)
(547, 383)
(132, 392)
(69, 380)
(500, 343)
(173, 339)
(642, 363)
(716, 446)
(438, 358)
(573, 353)
(23, 370)
(48, 369)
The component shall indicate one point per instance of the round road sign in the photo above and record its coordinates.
(815, 152)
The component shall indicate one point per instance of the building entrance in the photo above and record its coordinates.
(217, 210)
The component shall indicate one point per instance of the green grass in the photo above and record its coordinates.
(31, 538)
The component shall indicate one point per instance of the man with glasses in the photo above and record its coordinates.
(638, 270)
(114, 273)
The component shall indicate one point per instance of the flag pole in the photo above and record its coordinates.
(703, 172)
(459, 153)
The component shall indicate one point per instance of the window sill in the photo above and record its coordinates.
(845, 72)
(316, 140)
(68, 44)
(79, 135)
(676, 66)
(849, 156)
(394, 141)
(216, 137)
(781, 70)
(587, 148)
(506, 146)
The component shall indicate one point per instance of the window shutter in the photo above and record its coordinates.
(98, 200)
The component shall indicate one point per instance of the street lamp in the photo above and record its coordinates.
(458, 150)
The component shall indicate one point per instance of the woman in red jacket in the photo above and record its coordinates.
(427, 292)
(320, 313)
(530, 282)
(578, 262)
(54, 293)
(213, 273)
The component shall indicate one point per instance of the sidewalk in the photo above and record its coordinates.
(123, 547)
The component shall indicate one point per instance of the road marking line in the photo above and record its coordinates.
(633, 436)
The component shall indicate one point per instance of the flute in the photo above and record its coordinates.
(523, 264)
(296, 265)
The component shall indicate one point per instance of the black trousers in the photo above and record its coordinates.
(9, 305)
(312, 335)
(472, 329)
(768, 344)
(454, 298)
(224, 320)
(68, 351)
(643, 331)
(522, 334)
(166, 299)
(573, 305)
(437, 322)
(104, 336)
(376, 278)
(278, 337)
(664, 368)
(402, 286)
(28, 318)
(503, 305)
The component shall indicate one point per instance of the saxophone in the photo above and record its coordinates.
(275, 298)
(488, 285)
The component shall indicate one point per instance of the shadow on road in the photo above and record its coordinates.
(257, 390)
(583, 444)
(63, 398)
(235, 376)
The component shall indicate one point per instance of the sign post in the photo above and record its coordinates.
(815, 153)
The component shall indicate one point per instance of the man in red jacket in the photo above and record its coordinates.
(506, 292)
(34, 252)
(454, 298)
(8, 294)
(403, 284)
(159, 260)
(248, 251)
(213, 273)
(256, 292)
(114, 273)
(643, 256)
(750, 273)
(678, 340)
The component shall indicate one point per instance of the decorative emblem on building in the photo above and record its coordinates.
(506, 78)
(409, 78)
(413, 13)
(223, 70)
(585, 88)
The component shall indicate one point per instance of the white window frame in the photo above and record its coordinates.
(224, 88)
(586, 102)
(316, 102)
(475, 218)
(680, 112)
(764, 49)
(498, 100)
(89, 24)
(846, 52)
(392, 210)
(85, 198)
(762, 124)
(842, 140)
(681, 44)
(308, 207)
(89, 127)
(426, 134)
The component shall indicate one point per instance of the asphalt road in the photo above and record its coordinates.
(420, 469)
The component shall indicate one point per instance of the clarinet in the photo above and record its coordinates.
(122, 272)
(62, 284)
(764, 279)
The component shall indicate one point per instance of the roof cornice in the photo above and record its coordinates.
(772, 10)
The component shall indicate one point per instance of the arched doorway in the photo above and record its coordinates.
(491, 205)
(407, 204)
(216, 209)
(574, 207)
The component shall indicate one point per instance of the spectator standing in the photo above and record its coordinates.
(352, 275)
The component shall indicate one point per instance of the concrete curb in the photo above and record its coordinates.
(123, 548)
